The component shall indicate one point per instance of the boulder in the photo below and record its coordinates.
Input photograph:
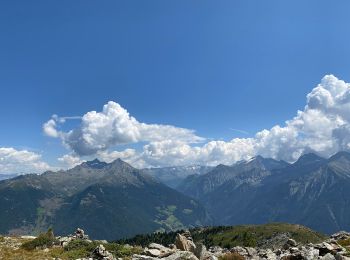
(328, 256)
(329, 247)
(80, 234)
(202, 253)
(152, 252)
(181, 255)
(158, 250)
(100, 253)
(184, 242)
(340, 235)
(290, 243)
(239, 250)
(251, 251)
(64, 240)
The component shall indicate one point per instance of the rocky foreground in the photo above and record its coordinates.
(185, 248)
(336, 247)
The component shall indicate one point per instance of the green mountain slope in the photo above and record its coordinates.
(110, 201)
(263, 236)
(313, 191)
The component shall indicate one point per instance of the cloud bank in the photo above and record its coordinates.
(21, 161)
(114, 126)
(322, 126)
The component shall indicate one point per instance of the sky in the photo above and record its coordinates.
(160, 83)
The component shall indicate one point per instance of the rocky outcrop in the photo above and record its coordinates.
(185, 248)
(100, 253)
(157, 250)
(79, 234)
(184, 242)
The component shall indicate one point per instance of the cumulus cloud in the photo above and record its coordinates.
(323, 126)
(113, 126)
(21, 161)
(68, 161)
(49, 128)
(130, 155)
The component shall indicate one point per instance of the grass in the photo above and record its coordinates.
(75, 249)
(44, 240)
(166, 218)
(82, 248)
(45, 246)
(255, 235)
(345, 243)
(230, 236)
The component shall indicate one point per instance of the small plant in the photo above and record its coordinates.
(344, 242)
(249, 239)
(122, 251)
(44, 240)
(2, 239)
(82, 248)
(231, 256)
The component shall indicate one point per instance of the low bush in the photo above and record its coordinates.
(82, 248)
(122, 251)
(44, 240)
(344, 242)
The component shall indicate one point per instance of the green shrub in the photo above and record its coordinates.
(2, 239)
(82, 248)
(122, 251)
(79, 248)
(80, 244)
(248, 239)
(44, 240)
(344, 242)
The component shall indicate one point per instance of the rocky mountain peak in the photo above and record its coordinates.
(309, 158)
(264, 163)
(343, 155)
(94, 164)
(120, 165)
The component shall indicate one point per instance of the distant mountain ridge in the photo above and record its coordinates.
(8, 176)
(173, 176)
(111, 200)
(313, 191)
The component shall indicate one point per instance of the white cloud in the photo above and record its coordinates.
(68, 161)
(323, 126)
(113, 126)
(21, 161)
(49, 128)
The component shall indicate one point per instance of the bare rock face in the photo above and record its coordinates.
(183, 249)
(201, 252)
(100, 253)
(80, 234)
(157, 250)
(182, 255)
(340, 235)
(290, 243)
(184, 242)
(291, 250)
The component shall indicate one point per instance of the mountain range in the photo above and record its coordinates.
(111, 200)
(313, 191)
(173, 176)
(7, 176)
(115, 200)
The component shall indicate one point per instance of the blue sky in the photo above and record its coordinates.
(210, 66)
